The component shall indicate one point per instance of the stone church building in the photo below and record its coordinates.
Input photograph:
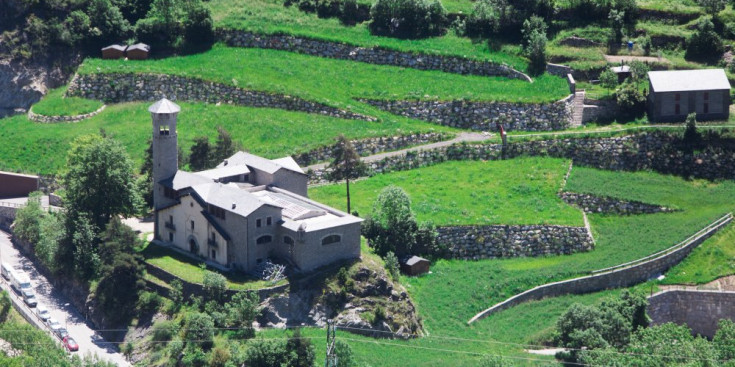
(245, 210)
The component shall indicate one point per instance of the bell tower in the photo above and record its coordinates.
(165, 150)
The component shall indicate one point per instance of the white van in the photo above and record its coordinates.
(20, 281)
(6, 270)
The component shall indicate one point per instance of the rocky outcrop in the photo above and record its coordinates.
(371, 55)
(366, 302)
(24, 83)
(123, 87)
(502, 241)
(604, 204)
(483, 116)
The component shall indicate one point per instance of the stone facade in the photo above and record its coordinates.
(603, 204)
(701, 311)
(371, 55)
(370, 146)
(484, 115)
(617, 278)
(500, 241)
(150, 87)
(56, 119)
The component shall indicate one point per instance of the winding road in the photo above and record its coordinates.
(90, 343)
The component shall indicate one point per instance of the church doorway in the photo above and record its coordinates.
(193, 247)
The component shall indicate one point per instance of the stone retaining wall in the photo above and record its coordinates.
(370, 146)
(121, 87)
(56, 119)
(603, 204)
(484, 115)
(701, 311)
(654, 151)
(197, 289)
(499, 241)
(371, 55)
(559, 70)
(7, 216)
(619, 278)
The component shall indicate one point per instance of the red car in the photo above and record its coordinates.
(70, 344)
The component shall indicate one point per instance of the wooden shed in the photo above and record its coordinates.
(415, 265)
(113, 52)
(138, 51)
(675, 94)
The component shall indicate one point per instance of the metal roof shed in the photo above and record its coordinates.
(675, 94)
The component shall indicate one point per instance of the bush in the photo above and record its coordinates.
(266, 353)
(164, 331)
(408, 18)
(220, 357)
(378, 314)
(148, 302)
(199, 329)
(630, 100)
(5, 305)
(391, 264)
(536, 50)
(487, 18)
(344, 354)
(214, 285)
(349, 12)
(704, 45)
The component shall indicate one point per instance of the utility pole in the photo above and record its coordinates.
(331, 360)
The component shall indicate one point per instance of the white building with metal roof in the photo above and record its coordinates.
(675, 94)
(244, 211)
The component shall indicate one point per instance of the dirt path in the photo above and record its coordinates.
(726, 284)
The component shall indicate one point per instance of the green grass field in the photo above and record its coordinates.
(270, 16)
(456, 290)
(189, 269)
(55, 104)
(518, 191)
(41, 148)
(713, 259)
(334, 82)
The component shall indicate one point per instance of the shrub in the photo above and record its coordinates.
(488, 17)
(692, 138)
(349, 12)
(193, 356)
(266, 353)
(535, 49)
(344, 354)
(608, 79)
(704, 45)
(378, 314)
(220, 357)
(408, 18)
(164, 331)
(199, 329)
(148, 302)
(630, 100)
(300, 351)
(5, 305)
(646, 45)
(214, 285)
(391, 264)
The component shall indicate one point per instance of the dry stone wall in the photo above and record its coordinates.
(121, 87)
(619, 278)
(701, 311)
(603, 204)
(371, 146)
(484, 115)
(56, 119)
(500, 241)
(371, 55)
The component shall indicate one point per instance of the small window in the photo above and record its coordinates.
(258, 222)
(677, 110)
(192, 225)
(706, 96)
(334, 238)
(170, 218)
(706, 108)
(214, 254)
(170, 237)
(288, 240)
(213, 238)
(268, 221)
(264, 239)
(677, 97)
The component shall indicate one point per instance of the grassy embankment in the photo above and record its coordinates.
(456, 290)
(55, 104)
(519, 191)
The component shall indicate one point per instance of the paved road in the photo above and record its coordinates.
(89, 341)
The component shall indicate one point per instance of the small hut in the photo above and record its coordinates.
(113, 52)
(622, 71)
(415, 265)
(138, 51)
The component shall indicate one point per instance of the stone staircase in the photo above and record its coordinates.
(578, 109)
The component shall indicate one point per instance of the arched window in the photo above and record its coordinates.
(264, 239)
(288, 240)
(332, 238)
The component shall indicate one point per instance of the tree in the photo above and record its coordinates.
(534, 24)
(630, 99)
(214, 285)
(5, 305)
(300, 351)
(52, 232)
(27, 224)
(107, 21)
(724, 339)
(198, 26)
(638, 70)
(713, 7)
(391, 264)
(117, 238)
(346, 164)
(608, 79)
(392, 226)
(488, 17)
(408, 18)
(242, 311)
(344, 354)
(199, 329)
(118, 289)
(99, 180)
(84, 247)
(617, 26)
(266, 353)
(704, 44)
(692, 138)
(224, 147)
(536, 51)
(200, 154)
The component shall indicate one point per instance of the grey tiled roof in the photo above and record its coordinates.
(164, 106)
(114, 47)
(229, 198)
(183, 179)
(688, 80)
(260, 163)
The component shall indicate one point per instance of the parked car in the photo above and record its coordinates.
(62, 333)
(5, 270)
(29, 297)
(70, 344)
(42, 312)
(53, 324)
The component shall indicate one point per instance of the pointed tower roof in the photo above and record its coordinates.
(164, 106)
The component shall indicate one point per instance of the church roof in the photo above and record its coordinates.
(164, 106)
(260, 163)
(183, 179)
(229, 198)
(222, 172)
